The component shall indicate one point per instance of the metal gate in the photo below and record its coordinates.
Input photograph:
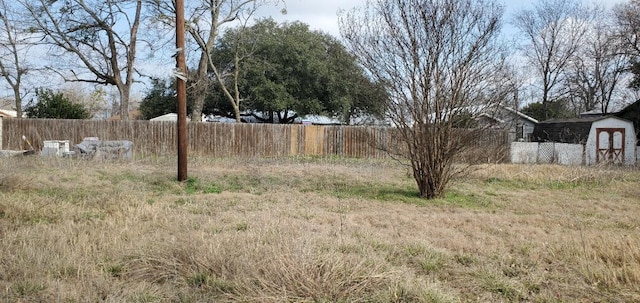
(610, 145)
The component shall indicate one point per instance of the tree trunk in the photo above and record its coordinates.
(201, 84)
(18, 98)
(124, 101)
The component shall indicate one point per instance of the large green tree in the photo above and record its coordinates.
(288, 71)
(160, 99)
(54, 105)
(204, 20)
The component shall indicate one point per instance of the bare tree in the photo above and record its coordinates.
(205, 18)
(101, 36)
(228, 74)
(92, 98)
(440, 60)
(628, 26)
(594, 74)
(15, 43)
(554, 30)
(627, 17)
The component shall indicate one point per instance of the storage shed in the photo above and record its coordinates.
(605, 139)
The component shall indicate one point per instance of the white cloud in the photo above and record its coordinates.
(319, 15)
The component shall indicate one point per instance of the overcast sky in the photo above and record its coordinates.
(322, 14)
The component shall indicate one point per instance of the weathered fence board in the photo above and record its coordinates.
(218, 139)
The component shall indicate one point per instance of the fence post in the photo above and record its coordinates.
(0, 132)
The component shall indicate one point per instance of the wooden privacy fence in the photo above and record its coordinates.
(215, 139)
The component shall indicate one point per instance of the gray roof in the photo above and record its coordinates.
(564, 130)
(632, 113)
(520, 114)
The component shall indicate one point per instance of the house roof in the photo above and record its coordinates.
(167, 117)
(488, 111)
(633, 107)
(632, 113)
(520, 114)
(596, 112)
(8, 113)
(575, 130)
(318, 120)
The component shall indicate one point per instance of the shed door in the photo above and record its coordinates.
(610, 145)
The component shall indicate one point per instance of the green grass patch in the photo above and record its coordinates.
(464, 259)
(193, 185)
(156, 183)
(500, 183)
(94, 216)
(422, 258)
(242, 226)
(404, 193)
(379, 192)
(37, 217)
(507, 183)
(183, 202)
(253, 183)
(469, 200)
(27, 288)
(145, 297)
(500, 286)
(433, 262)
(114, 270)
(209, 283)
(130, 176)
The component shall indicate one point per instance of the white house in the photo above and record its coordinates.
(519, 125)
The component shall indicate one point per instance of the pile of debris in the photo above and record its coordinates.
(89, 148)
(94, 148)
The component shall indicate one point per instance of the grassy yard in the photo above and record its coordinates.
(314, 230)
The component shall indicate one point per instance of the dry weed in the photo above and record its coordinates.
(314, 230)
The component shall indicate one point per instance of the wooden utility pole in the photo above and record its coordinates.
(181, 89)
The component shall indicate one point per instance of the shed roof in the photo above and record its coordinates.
(566, 130)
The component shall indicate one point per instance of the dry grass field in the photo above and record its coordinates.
(314, 230)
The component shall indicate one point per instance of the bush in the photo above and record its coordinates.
(54, 105)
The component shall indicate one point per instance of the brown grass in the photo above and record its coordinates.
(314, 230)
